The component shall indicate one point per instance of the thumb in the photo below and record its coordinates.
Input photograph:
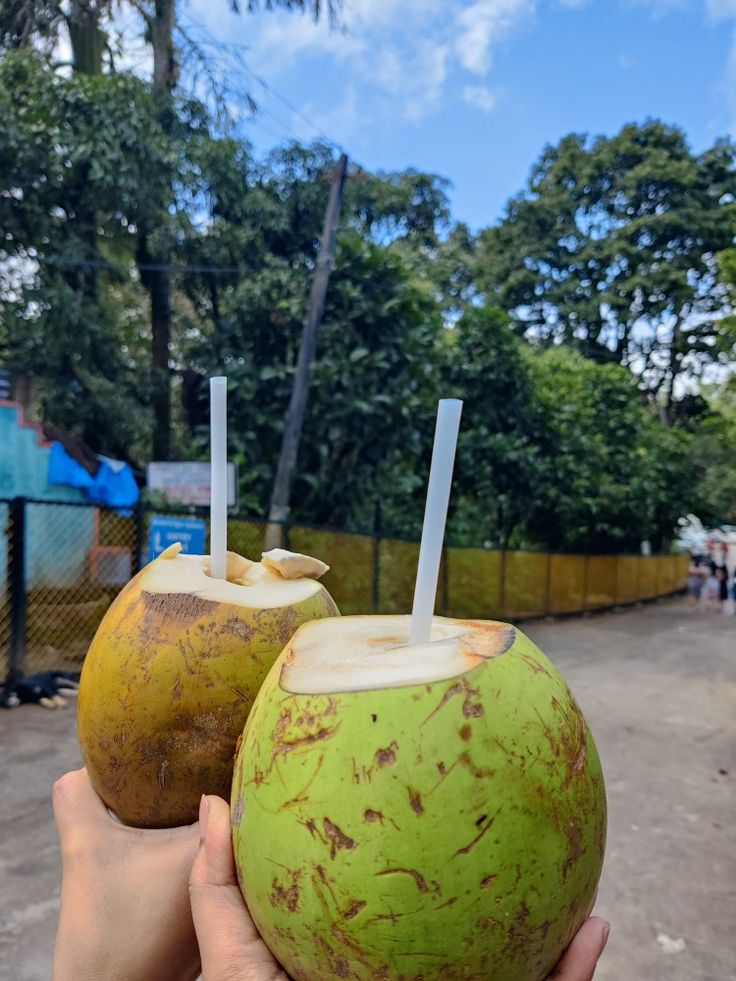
(229, 944)
(77, 808)
(581, 957)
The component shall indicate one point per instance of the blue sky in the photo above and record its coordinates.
(473, 89)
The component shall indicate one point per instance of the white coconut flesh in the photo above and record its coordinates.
(371, 653)
(281, 579)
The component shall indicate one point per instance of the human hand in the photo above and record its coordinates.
(229, 944)
(125, 913)
(579, 961)
(231, 947)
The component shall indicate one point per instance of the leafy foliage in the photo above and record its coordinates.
(612, 248)
(559, 447)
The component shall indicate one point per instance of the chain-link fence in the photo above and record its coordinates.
(62, 564)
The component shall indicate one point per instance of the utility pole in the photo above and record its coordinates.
(279, 509)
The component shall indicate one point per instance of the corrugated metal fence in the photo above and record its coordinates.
(62, 564)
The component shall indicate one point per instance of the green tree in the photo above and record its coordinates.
(612, 248)
(370, 402)
(609, 474)
(713, 427)
(77, 156)
(87, 23)
(498, 449)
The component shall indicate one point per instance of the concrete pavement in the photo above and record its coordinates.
(658, 686)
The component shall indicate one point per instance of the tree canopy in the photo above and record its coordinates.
(612, 249)
(577, 329)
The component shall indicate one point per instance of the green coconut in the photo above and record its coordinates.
(435, 811)
(172, 673)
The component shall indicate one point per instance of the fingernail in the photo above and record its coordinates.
(606, 931)
(204, 813)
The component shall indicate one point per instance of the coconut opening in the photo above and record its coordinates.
(249, 584)
(350, 654)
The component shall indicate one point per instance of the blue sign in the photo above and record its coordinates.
(191, 532)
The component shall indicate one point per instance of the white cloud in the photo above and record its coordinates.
(397, 54)
(480, 97)
(483, 24)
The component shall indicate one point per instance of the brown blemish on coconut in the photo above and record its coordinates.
(485, 827)
(536, 666)
(303, 794)
(574, 836)
(450, 902)
(465, 732)
(286, 897)
(337, 838)
(348, 941)
(353, 909)
(416, 876)
(163, 775)
(372, 816)
(320, 879)
(487, 881)
(237, 627)
(180, 608)
(312, 829)
(568, 742)
(471, 708)
(479, 772)
(415, 799)
(387, 756)
(284, 743)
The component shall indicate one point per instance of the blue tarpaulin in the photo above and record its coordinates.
(113, 485)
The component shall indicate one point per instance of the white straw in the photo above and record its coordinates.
(435, 517)
(218, 478)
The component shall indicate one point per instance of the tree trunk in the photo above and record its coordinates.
(666, 417)
(158, 280)
(88, 41)
(281, 496)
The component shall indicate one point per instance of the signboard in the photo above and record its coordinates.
(188, 483)
(191, 532)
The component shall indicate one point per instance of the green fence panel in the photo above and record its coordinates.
(247, 538)
(627, 579)
(567, 583)
(526, 581)
(397, 570)
(648, 576)
(473, 583)
(667, 575)
(350, 557)
(600, 581)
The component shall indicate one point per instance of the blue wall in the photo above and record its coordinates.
(58, 538)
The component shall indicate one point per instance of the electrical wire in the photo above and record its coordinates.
(73, 263)
(233, 47)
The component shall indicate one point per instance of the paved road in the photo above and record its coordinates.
(658, 686)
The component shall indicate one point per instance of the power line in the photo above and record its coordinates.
(289, 106)
(73, 263)
(233, 47)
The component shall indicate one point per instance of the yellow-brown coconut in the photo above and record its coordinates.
(172, 673)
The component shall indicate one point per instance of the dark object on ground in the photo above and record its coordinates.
(47, 689)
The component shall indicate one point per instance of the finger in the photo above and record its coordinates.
(76, 805)
(579, 960)
(228, 939)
